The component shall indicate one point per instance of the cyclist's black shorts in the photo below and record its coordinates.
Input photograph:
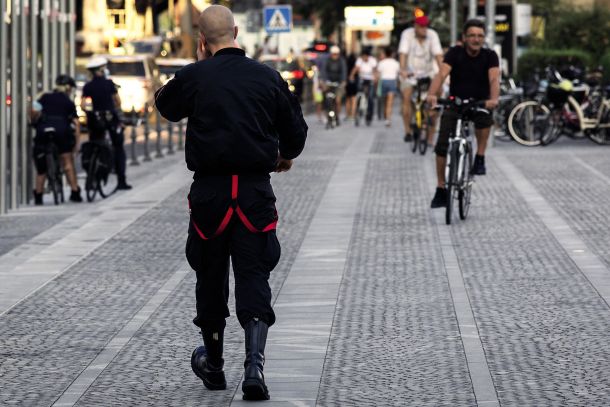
(64, 142)
(448, 121)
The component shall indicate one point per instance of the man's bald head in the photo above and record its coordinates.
(217, 25)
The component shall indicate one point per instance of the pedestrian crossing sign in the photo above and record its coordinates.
(278, 19)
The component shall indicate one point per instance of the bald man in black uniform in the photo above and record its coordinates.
(243, 123)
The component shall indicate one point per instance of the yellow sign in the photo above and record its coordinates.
(502, 27)
(370, 18)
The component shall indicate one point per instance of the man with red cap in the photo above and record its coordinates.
(420, 56)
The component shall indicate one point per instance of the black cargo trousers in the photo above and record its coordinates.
(253, 253)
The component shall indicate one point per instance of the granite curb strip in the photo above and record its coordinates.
(482, 382)
(317, 269)
(26, 278)
(84, 380)
(587, 262)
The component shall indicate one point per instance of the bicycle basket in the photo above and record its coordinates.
(556, 95)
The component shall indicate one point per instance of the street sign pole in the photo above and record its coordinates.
(15, 4)
(46, 68)
(23, 103)
(453, 18)
(490, 22)
(72, 36)
(472, 8)
(3, 135)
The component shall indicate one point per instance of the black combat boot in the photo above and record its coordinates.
(253, 386)
(75, 196)
(207, 361)
(37, 198)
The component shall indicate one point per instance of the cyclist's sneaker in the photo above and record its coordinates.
(388, 123)
(75, 196)
(440, 198)
(124, 186)
(479, 165)
(37, 198)
(408, 137)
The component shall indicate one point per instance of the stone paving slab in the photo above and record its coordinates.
(501, 295)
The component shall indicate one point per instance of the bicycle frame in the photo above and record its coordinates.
(462, 139)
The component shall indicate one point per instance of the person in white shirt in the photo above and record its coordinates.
(420, 56)
(365, 69)
(387, 72)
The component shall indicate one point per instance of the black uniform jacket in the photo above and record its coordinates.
(241, 115)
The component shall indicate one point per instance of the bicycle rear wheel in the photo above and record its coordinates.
(52, 177)
(451, 182)
(527, 122)
(416, 140)
(553, 129)
(465, 191)
(91, 181)
(358, 114)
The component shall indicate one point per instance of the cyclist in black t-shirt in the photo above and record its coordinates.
(475, 74)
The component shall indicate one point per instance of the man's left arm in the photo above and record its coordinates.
(494, 88)
(436, 49)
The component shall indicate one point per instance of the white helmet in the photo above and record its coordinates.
(96, 62)
(335, 49)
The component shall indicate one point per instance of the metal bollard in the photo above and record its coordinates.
(146, 135)
(170, 136)
(134, 135)
(181, 135)
(158, 127)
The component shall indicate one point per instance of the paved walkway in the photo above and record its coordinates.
(379, 303)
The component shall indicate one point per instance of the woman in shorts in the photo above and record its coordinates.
(387, 73)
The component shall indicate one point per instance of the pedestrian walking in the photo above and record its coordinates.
(243, 123)
(387, 72)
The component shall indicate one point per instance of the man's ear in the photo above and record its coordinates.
(202, 38)
(236, 31)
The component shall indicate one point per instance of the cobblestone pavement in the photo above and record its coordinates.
(419, 314)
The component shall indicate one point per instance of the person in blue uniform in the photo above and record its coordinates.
(243, 124)
(106, 113)
(54, 117)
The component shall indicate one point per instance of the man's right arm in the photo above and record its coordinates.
(170, 100)
(437, 83)
(290, 123)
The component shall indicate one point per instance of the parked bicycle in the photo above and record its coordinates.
(421, 119)
(55, 173)
(566, 108)
(458, 172)
(98, 161)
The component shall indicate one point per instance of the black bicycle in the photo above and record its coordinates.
(55, 173)
(458, 172)
(98, 158)
(330, 103)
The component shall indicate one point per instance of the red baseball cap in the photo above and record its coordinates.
(423, 21)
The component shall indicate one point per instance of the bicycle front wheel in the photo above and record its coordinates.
(527, 122)
(466, 188)
(451, 182)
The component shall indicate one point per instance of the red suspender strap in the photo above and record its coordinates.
(234, 186)
(229, 215)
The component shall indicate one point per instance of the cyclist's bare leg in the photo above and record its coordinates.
(40, 179)
(482, 136)
(407, 93)
(441, 163)
(67, 162)
(350, 106)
